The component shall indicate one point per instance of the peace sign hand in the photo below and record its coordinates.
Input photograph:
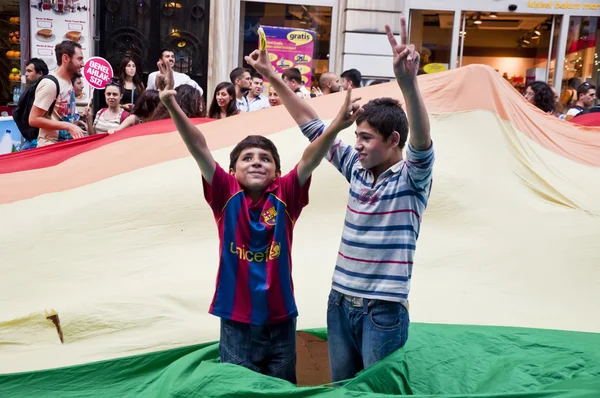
(406, 59)
(165, 81)
(349, 111)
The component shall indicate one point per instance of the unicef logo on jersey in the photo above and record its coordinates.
(270, 216)
(272, 252)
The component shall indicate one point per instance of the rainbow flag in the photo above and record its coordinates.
(108, 259)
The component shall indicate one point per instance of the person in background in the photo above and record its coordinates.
(110, 118)
(223, 103)
(274, 99)
(540, 94)
(329, 83)
(568, 97)
(167, 55)
(256, 99)
(351, 78)
(34, 69)
(144, 106)
(242, 81)
(293, 79)
(558, 108)
(78, 86)
(130, 82)
(586, 93)
(53, 112)
(189, 100)
(77, 82)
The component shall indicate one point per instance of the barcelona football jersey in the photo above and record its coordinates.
(254, 281)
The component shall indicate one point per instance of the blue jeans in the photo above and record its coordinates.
(267, 349)
(28, 145)
(360, 332)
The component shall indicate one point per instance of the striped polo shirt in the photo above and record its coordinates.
(381, 228)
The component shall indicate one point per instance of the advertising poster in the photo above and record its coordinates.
(53, 21)
(291, 48)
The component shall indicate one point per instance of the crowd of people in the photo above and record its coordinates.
(57, 113)
(577, 99)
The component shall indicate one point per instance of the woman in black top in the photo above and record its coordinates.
(131, 83)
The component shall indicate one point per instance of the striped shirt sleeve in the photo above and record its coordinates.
(419, 165)
(341, 155)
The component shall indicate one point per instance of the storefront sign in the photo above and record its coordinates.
(98, 72)
(291, 48)
(52, 22)
(560, 5)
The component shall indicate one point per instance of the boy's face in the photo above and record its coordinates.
(372, 149)
(255, 169)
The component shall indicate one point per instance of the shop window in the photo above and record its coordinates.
(315, 19)
(431, 33)
(583, 51)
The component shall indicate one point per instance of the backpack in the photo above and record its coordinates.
(124, 114)
(24, 106)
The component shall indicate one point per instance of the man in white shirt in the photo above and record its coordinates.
(257, 101)
(240, 78)
(585, 100)
(53, 112)
(167, 55)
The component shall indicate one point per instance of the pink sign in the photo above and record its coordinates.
(291, 48)
(98, 72)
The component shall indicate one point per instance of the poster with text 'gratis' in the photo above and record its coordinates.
(291, 48)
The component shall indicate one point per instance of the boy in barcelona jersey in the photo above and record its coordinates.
(255, 209)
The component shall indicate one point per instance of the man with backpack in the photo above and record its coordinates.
(51, 102)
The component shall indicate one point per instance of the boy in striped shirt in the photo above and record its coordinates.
(255, 210)
(367, 311)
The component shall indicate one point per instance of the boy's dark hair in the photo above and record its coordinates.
(256, 75)
(237, 73)
(385, 115)
(77, 76)
(255, 141)
(163, 51)
(65, 47)
(38, 65)
(354, 76)
(292, 74)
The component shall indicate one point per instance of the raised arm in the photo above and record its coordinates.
(318, 148)
(191, 135)
(406, 65)
(296, 106)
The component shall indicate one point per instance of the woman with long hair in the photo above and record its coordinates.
(131, 83)
(189, 99)
(540, 94)
(223, 103)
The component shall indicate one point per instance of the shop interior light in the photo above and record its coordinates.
(463, 33)
(537, 33)
(525, 41)
(173, 4)
(477, 20)
(493, 15)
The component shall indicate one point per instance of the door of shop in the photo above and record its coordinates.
(522, 47)
(140, 28)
